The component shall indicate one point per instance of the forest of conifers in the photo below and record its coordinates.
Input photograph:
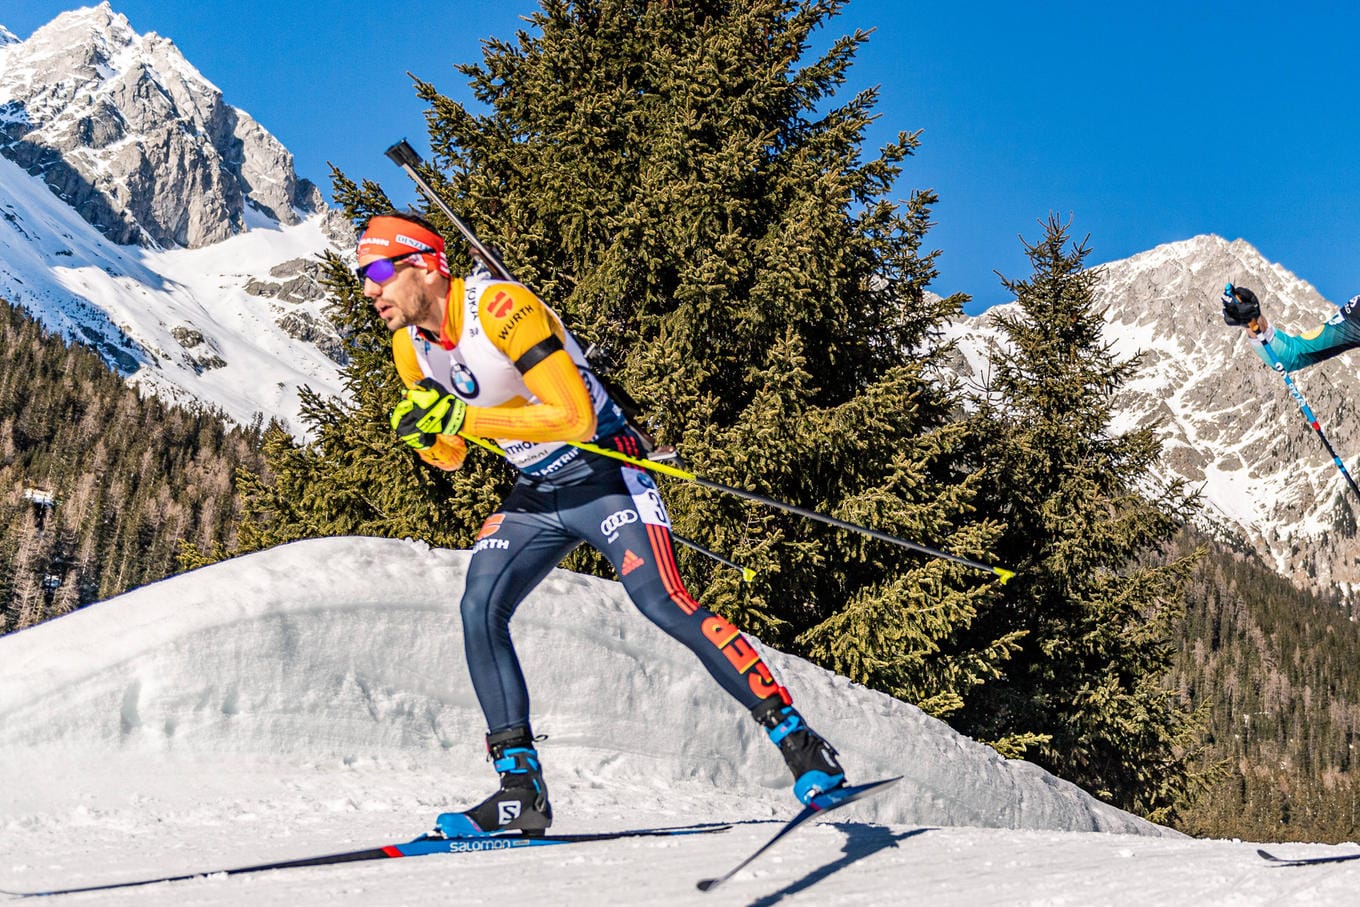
(100, 485)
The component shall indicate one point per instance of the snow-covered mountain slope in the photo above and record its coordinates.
(142, 215)
(1228, 422)
(238, 325)
(314, 698)
(123, 128)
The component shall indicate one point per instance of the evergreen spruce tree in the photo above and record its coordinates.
(682, 189)
(1086, 522)
(677, 184)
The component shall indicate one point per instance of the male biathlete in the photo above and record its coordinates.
(486, 358)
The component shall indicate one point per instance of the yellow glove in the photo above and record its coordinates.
(427, 410)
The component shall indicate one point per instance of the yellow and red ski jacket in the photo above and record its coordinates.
(523, 376)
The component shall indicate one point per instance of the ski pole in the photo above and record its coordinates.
(676, 472)
(405, 157)
(1308, 415)
(1297, 394)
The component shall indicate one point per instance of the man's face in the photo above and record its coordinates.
(404, 298)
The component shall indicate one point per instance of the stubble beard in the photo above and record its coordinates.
(423, 307)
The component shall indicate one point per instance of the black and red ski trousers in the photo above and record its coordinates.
(617, 510)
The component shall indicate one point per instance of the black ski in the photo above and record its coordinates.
(1306, 861)
(420, 847)
(824, 803)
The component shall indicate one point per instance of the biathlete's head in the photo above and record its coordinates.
(404, 270)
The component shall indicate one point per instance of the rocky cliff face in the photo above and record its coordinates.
(1228, 424)
(122, 128)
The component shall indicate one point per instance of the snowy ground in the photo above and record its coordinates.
(313, 698)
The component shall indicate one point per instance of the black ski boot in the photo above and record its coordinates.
(522, 802)
(811, 759)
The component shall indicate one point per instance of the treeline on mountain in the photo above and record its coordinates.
(1276, 672)
(690, 196)
(99, 486)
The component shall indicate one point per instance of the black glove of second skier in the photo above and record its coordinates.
(1240, 306)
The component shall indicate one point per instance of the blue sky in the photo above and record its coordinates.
(1143, 123)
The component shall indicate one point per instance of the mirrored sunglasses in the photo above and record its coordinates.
(382, 269)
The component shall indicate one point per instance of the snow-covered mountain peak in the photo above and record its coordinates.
(128, 132)
(238, 325)
(76, 50)
(1228, 424)
(1181, 282)
(89, 26)
(143, 216)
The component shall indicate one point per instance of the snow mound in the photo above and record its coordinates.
(350, 650)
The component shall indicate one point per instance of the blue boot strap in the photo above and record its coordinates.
(786, 727)
(518, 761)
